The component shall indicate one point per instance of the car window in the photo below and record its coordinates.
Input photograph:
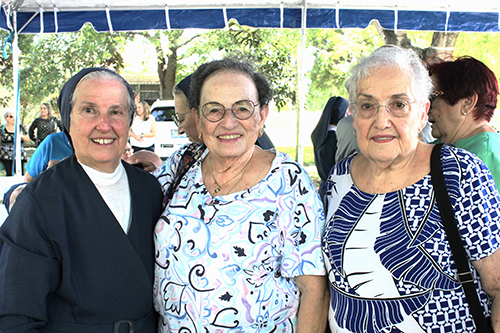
(163, 113)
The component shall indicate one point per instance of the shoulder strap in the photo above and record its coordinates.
(190, 156)
(464, 275)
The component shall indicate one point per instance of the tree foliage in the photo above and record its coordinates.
(48, 60)
(167, 45)
(272, 51)
(335, 52)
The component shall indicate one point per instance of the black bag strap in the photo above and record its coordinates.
(464, 275)
(190, 156)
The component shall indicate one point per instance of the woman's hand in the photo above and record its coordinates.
(138, 137)
(489, 271)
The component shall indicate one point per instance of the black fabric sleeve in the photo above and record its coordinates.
(33, 126)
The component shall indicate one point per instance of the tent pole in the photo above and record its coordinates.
(301, 89)
(15, 69)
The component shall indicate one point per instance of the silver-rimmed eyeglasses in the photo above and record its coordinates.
(177, 120)
(242, 110)
(398, 107)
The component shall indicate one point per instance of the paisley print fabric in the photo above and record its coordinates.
(226, 264)
(387, 255)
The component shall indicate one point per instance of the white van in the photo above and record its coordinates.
(167, 139)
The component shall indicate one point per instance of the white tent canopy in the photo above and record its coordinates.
(42, 16)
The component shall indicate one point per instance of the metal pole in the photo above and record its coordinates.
(301, 88)
(15, 68)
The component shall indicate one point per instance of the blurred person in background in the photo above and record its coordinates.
(55, 147)
(462, 105)
(7, 135)
(324, 138)
(44, 125)
(143, 129)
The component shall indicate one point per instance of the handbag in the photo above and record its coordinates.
(190, 156)
(464, 275)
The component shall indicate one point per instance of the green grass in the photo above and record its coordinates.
(307, 151)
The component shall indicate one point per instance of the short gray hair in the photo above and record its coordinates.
(392, 56)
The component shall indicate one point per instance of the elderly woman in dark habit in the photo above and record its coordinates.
(77, 249)
(238, 246)
(387, 255)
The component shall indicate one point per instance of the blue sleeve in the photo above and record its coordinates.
(39, 161)
(475, 200)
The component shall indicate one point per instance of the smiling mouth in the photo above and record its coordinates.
(383, 138)
(229, 137)
(103, 141)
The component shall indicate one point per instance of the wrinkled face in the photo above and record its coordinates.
(100, 123)
(44, 112)
(187, 123)
(384, 137)
(230, 137)
(446, 120)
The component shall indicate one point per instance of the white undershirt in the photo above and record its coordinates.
(115, 191)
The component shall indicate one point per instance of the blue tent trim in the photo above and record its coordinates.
(126, 20)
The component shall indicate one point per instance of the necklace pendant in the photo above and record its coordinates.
(217, 190)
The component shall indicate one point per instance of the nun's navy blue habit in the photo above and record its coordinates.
(66, 263)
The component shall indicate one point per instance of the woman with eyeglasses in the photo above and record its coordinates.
(238, 245)
(185, 122)
(462, 105)
(387, 255)
(182, 116)
(7, 135)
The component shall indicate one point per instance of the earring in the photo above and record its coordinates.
(420, 135)
(261, 132)
(355, 133)
(464, 113)
(199, 135)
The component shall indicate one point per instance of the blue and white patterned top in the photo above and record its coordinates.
(229, 266)
(387, 255)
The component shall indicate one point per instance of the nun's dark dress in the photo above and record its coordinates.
(67, 265)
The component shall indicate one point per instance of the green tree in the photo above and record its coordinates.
(48, 60)
(273, 52)
(167, 45)
(335, 52)
(6, 76)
